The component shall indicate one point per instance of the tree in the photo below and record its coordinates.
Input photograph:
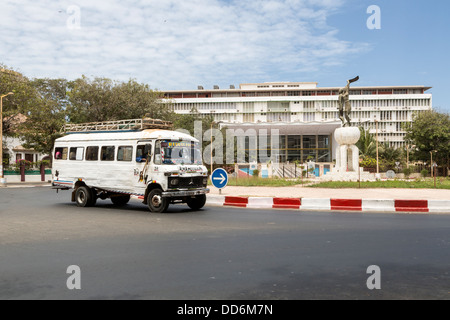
(389, 156)
(24, 98)
(44, 121)
(187, 121)
(103, 99)
(429, 132)
(366, 144)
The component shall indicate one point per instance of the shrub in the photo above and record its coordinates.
(424, 173)
(407, 172)
(23, 162)
(368, 162)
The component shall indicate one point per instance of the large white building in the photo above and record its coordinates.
(306, 114)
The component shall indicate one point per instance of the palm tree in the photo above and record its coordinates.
(366, 144)
(390, 155)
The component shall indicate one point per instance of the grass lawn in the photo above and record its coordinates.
(428, 183)
(441, 183)
(263, 182)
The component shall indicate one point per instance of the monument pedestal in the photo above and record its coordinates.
(347, 157)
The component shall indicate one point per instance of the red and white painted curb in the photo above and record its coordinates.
(363, 205)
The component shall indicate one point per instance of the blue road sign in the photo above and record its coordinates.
(219, 178)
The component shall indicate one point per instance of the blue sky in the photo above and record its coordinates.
(181, 44)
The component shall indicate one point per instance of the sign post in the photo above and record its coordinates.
(219, 179)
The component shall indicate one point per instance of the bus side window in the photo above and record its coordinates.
(125, 153)
(107, 153)
(92, 153)
(61, 153)
(142, 152)
(76, 153)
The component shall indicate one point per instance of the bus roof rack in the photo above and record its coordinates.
(118, 125)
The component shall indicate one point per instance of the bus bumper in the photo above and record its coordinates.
(184, 193)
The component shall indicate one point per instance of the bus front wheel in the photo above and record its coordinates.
(155, 201)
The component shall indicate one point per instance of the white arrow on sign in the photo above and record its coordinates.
(222, 178)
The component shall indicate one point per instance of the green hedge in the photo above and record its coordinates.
(27, 172)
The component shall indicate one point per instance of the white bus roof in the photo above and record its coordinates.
(127, 135)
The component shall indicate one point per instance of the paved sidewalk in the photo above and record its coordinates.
(321, 193)
(307, 198)
(26, 184)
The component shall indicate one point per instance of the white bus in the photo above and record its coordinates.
(158, 166)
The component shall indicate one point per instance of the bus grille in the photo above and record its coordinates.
(191, 182)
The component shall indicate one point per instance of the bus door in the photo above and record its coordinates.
(144, 152)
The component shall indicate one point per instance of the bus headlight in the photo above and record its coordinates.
(205, 181)
(174, 182)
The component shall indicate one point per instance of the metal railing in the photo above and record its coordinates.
(119, 125)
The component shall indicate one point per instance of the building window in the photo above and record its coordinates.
(324, 142)
(6, 159)
(309, 142)
(309, 116)
(279, 117)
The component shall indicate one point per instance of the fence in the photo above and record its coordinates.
(31, 175)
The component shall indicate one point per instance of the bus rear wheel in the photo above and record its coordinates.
(85, 197)
(156, 202)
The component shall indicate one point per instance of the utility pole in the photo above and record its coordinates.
(378, 166)
(2, 181)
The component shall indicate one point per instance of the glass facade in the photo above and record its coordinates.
(295, 148)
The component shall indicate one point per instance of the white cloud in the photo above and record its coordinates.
(173, 44)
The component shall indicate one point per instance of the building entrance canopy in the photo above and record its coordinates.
(291, 128)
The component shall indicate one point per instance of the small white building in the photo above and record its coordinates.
(13, 150)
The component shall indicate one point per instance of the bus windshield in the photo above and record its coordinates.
(178, 152)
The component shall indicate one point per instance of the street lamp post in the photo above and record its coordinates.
(433, 174)
(211, 147)
(218, 123)
(2, 181)
(407, 156)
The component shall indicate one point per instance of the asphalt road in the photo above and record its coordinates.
(215, 253)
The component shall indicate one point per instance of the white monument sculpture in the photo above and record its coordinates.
(347, 153)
